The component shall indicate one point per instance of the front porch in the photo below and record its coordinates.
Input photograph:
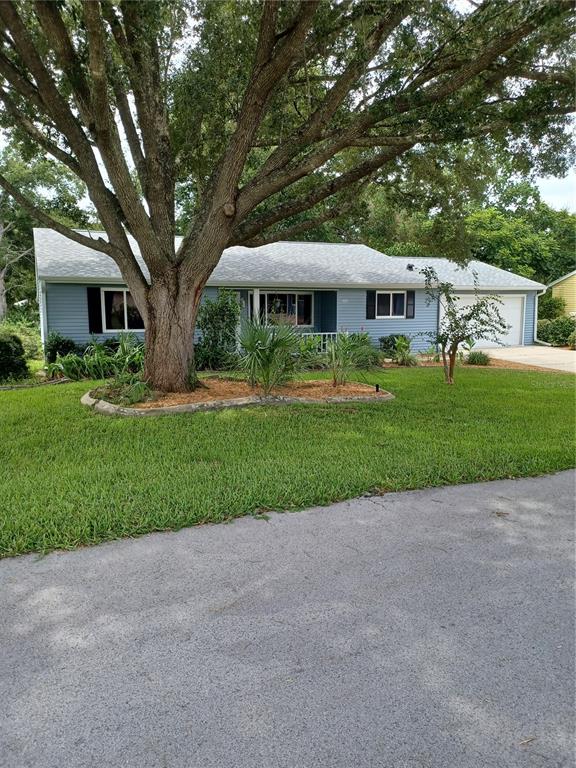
(312, 312)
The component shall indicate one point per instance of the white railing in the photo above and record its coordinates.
(323, 339)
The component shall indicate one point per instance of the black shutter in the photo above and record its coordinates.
(370, 305)
(94, 310)
(410, 301)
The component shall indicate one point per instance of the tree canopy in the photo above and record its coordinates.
(249, 122)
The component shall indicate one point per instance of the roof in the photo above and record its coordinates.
(561, 279)
(282, 264)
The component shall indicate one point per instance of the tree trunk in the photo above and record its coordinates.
(452, 364)
(172, 310)
(3, 303)
(446, 366)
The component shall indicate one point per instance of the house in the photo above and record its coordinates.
(322, 288)
(565, 288)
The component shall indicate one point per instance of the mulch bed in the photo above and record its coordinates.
(229, 389)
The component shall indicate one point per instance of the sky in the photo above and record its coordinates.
(559, 193)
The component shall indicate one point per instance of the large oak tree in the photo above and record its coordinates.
(250, 115)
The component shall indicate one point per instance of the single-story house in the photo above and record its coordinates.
(322, 288)
(565, 288)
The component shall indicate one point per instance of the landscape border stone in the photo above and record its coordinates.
(110, 409)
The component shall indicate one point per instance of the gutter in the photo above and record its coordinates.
(536, 339)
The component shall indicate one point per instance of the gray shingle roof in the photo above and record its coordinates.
(284, 264)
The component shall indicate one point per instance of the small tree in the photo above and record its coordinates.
(459, 323)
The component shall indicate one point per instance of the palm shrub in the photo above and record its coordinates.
(347, 353)
(269, 354)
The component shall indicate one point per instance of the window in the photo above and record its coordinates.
(391, 304)
(284, 307)
(119, 312)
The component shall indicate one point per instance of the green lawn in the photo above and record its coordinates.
(70, 477)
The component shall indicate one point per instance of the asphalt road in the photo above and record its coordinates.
(416, 630)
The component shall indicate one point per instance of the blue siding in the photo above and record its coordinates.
(352, 318)
(67, 312)
(529, 310)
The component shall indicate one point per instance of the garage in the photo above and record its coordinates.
(512, 310)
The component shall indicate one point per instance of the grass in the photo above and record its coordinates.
(71, 477)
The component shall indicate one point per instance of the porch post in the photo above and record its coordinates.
(256, 304)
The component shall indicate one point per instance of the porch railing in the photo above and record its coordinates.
(323, 339)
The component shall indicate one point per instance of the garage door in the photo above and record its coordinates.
(512, 310)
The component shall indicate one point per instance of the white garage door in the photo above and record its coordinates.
(512, 310)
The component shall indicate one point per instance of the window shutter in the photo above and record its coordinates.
(370, 305)
(94, 310)
(410, 302)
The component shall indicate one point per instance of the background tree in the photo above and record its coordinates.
(268, 111)
(461, 323)
(479, 215)
(49, 186)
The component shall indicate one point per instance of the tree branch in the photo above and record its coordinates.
(286, 210)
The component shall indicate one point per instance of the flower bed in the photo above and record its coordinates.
(216, 393)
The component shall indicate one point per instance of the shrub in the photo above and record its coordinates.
(27, 331)
(56, 344)
(559, 330)
(347, 353)
(269, 354)
(218, 324)
(388, 344)
(572, 340)
(12, 358)
(543, 329)
(476, 357)
(550, 307)
(125, 389)
(403, 354)
(101, 361)
(309, 352)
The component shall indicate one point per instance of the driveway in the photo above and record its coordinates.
(542, 357)
(428, 629)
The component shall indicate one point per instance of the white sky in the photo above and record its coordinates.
(559, 193)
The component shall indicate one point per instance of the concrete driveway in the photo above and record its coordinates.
(428, 629)
(542, 357)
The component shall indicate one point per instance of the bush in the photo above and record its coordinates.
(550, 307)
(269, 354)
(402, 353)
(56, 344)
(388, 344)
(27, 331)
(542, 329)
(559, 330)
(218, 324)
(347, 353)
(125, 389)
(12, 358)
(572, 340)
(101, 360)
(478, 358)
(309, 352)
